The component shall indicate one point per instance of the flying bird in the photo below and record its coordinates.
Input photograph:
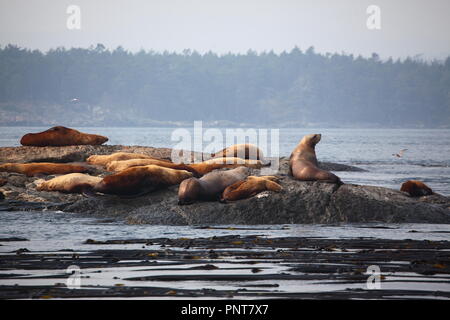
(400, 153)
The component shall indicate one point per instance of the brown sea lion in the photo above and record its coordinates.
(61, 136)
(207, 166)
(416, 188)
(121, 165)
(103, 160)
(244, 151)
(303, 163)
(46, 168)
(141, 179)
(250, 187)
(210, 186)
(69, 183)
(3, 182)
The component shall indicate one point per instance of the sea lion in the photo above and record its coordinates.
(303, 163)
(244, 151)
(207, 166)
(141, 179)
(61, 136)
(3, 182)
(250, 187)
(121, 165)
(103, 160)
(210, 186)
(45, 168)
(69, 183)
(416, 188)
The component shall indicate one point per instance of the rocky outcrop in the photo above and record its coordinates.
(299, 202)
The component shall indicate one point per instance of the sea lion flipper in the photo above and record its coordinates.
(273, 186)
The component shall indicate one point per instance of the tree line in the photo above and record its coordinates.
(97, 86)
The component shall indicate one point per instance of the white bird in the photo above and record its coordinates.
(400, 153)
(74, 100)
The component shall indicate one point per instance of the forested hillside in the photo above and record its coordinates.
(96, 86)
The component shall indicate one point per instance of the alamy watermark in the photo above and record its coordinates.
(374, 280)
(73, 21)
(373, 21)
(204, 142)
(74, 280)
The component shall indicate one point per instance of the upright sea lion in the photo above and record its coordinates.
(244, 151)
(303, 162)
(137, 180)
(207, 166)
(121, 165)
(35, 168)
(210, 186)
(416, 188)
(69, 183)
(250, 187)
(61, 136)
(103, 160)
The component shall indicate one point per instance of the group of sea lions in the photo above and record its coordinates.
(135, 174)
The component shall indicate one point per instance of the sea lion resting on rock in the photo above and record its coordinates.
(244, 151)
(416, 188)
(207, 166)
(103, 160)
(69, 183)
(61, 136)
(138, 180)
(303, 163)
(46, 168)
(210, 186)
(250, 187)
(198, 169)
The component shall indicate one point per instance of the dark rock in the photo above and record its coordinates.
(299, 202)
(13, 239)
(16, 179)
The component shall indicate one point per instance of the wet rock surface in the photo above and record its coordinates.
(299, 202)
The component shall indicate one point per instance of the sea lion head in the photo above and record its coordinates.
(311, 139)
(189, 191)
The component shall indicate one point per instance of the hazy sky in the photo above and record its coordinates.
(408, 27)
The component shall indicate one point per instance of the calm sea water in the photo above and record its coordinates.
(427, 159)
